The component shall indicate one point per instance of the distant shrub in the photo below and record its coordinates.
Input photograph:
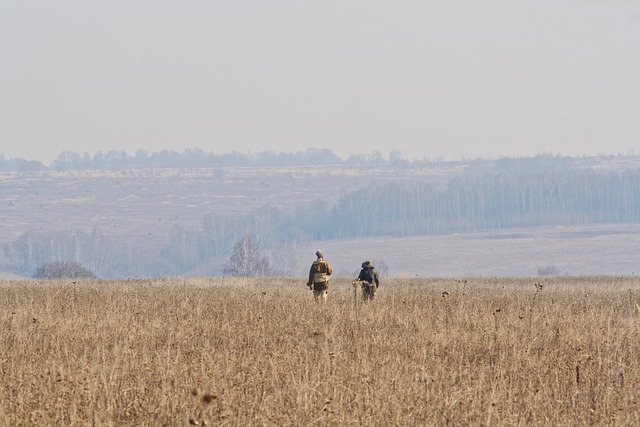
(63, 270)
(549, 270)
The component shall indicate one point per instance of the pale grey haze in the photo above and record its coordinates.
(432, 79)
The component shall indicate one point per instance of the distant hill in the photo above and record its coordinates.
(126, 222)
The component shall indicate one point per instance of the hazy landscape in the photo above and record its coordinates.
(137, 222)
(168, 171)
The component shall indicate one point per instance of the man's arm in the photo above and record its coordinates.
(310, 281)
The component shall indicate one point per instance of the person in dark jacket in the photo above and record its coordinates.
(319, 277)
(369, 281)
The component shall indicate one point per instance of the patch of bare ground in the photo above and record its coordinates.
(488, 351)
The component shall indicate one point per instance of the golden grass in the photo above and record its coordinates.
(481, 351)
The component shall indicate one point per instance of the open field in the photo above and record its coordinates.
(147, 203)
(133, 204)
(590, 250)
(489, 351)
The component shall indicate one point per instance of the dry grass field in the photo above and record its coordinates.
(481, 351)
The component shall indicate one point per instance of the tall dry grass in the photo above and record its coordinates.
(480, 351)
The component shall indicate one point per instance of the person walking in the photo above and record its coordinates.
(319, 277)
(369, 281)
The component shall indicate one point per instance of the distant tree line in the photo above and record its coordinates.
(20, 164)
(513, 193)
(473, 203)
(198, 158)
(221, 245)
(94, 251)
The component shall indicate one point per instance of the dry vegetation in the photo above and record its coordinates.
(237, 352)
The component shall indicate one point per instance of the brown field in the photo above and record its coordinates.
(482, 351)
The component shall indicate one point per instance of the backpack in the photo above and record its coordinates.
(320, 271)
(367, 275)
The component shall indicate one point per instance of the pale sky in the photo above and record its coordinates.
(433, 79)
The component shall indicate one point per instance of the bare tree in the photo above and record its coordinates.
(246, 259)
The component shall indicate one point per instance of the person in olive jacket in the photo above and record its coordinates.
(319, 277)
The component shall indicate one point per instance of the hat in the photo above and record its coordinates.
(319, 254)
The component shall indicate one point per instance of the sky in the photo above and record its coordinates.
(455, 79)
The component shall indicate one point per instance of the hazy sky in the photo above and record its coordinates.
(451, 79)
